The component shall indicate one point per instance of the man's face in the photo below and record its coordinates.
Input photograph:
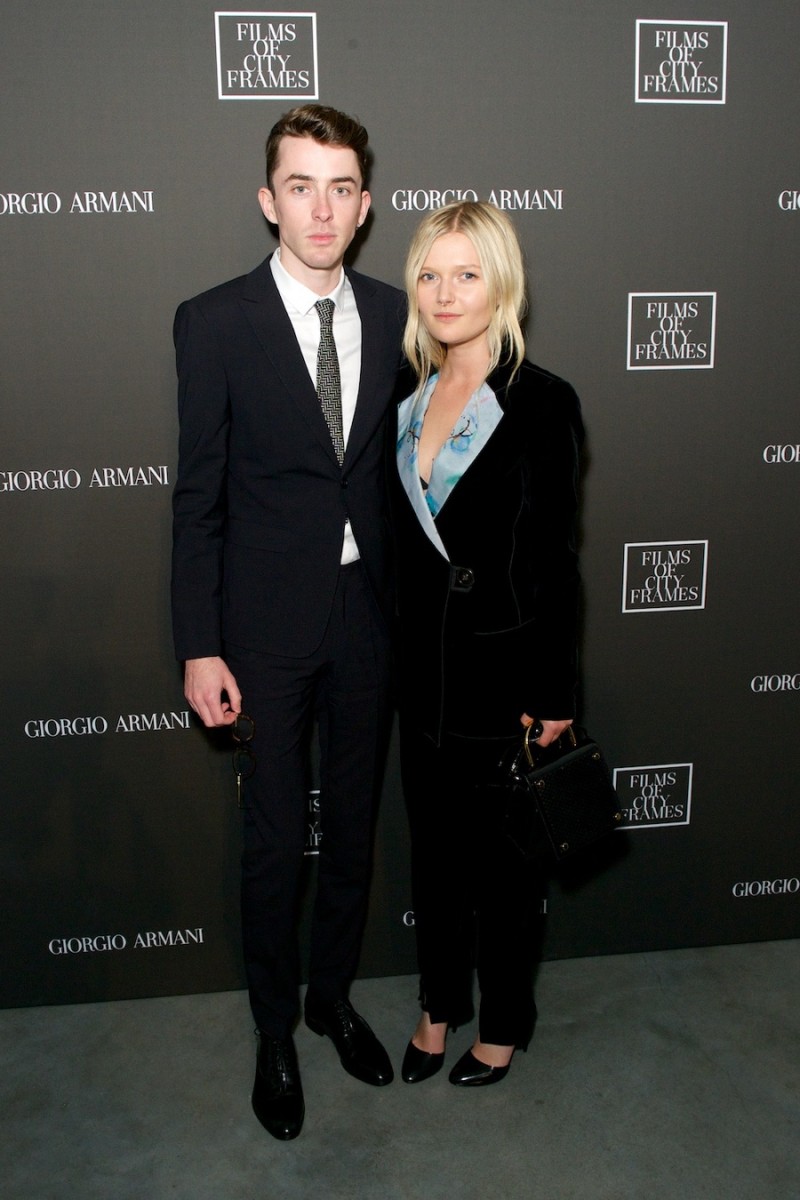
(317, 202)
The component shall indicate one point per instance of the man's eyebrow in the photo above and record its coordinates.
(313, 179)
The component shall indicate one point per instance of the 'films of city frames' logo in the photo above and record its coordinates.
(654, 796)
(664, 576)
(267, 55)
(681, 62)
(672, 331)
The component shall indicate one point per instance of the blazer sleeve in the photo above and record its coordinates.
(554, 484)
(199, 498)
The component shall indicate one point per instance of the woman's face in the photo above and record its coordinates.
(451, 292)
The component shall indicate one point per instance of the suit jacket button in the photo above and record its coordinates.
(344, 483)
(465, 577)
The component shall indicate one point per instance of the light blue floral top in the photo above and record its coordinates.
(471, 432)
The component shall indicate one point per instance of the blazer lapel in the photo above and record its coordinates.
(370, 407)
(499, 455)
(270, 321)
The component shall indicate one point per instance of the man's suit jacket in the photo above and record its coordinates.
(260, 499)
(490, 632)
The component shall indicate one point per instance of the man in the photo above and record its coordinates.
(280, 576)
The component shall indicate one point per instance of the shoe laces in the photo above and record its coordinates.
(280, 1061)
(347, 1018)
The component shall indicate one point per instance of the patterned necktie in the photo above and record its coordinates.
(329, 385)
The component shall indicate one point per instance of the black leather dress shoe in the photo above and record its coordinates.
(471, 1072)
(277, 1091)
(360, 1052)
(419, 1064)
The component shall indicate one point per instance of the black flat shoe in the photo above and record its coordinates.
(419, 1064)
(471, 1072)
(277, 1091)
(360, 1052)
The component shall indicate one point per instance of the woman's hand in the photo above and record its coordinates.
(551, 730)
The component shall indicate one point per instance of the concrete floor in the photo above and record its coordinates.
(671, 1074)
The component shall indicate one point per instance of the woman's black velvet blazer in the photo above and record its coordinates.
(492, 632)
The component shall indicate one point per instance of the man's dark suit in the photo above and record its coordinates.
(259, 512)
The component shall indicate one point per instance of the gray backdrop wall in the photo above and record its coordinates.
(648, 154)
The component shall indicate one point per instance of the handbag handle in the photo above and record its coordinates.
(527, 740)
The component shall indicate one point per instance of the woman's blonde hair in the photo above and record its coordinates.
(500, 255)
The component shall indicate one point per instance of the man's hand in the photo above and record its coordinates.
(206, 683)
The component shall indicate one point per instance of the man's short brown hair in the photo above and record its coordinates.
(326, 125)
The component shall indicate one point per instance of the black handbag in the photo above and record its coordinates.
(563, 790)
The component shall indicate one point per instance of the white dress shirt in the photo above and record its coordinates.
(299, 302)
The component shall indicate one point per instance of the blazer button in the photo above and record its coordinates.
(465, 577)
(344, 483)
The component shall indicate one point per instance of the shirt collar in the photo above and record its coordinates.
(296, 294)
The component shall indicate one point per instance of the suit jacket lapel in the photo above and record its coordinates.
(369, 406)
(266, 313)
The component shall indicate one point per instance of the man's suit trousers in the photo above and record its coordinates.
(344, 684)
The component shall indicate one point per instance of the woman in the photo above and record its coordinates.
(485, 499)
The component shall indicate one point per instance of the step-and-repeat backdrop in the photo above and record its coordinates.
(648, 154)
